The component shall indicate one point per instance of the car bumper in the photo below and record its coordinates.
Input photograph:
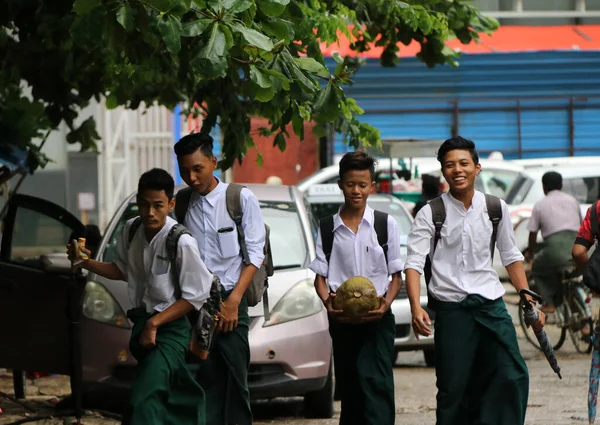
(289, 359)
(405, 339)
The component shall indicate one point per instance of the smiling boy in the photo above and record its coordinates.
(481, 375)
(163, 392)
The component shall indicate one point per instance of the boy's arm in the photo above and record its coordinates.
(195, 279)
(176, 310)
(107, 270)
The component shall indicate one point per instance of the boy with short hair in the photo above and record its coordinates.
(163, 392)
(363, 349)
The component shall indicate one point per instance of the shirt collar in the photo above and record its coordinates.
(368, 216)
(475, 202)
(211, 197)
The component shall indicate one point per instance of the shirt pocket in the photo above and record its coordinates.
(376, 261)
(160, 287)
(228, 244)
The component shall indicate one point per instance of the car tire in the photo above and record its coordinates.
(429, 356)
(319, 404)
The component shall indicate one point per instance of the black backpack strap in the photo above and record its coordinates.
(182, 203)
(133, 228)
(171, 243)
(595, 225)
(438, 216)
(233, 202)
(494, 207)
(381, 228)
(326, 226)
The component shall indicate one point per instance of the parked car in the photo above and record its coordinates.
(290, 355)
(326, 200)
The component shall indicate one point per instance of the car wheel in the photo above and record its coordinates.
(429, 356)
(319, 404)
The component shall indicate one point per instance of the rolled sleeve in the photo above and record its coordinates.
(195, 279)
(394, 259)
(319, 265)
(419, 240)
(254, 228)
(121, 253)
(506, 244)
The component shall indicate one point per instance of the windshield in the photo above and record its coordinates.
(288, 242)
(389, 206)
(519, 190)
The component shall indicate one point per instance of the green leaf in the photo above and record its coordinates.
(327, 106)
(111, 101)
(263, 95)
(195, 28)
(228, 36)
(272, 7)
(312, 66)
(298, 125)
(170, 29)
(239, 6)
(125, 17)
(259, 159)
(83, 7)
(336, 56)
(260, 78)
(281, 81)
(319, 130)
(254, 37)
(211, 62)
(279, 28)
(280, 142)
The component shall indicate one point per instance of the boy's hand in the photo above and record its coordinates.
(421, 323)
(228, 316)
(73, 254)
(375, 315)
(337, 315)
(148, 336)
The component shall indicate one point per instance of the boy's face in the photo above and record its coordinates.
(460, 170)
(356, 186)
(154, 206)
(196, 170)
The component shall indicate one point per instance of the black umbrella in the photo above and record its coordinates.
(531, 317)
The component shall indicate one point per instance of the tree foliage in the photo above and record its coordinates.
(226, 59)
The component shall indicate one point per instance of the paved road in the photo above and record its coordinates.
(551, 401)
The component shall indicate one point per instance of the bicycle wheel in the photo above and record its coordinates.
(580, 319)
(556, 334)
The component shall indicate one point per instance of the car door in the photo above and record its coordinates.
(38, 293)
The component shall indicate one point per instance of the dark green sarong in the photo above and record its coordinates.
(481, 375)
(164, 392)
(364, 370)
(555, 255)
(224, 374)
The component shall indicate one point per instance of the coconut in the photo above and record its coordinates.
(356, 297)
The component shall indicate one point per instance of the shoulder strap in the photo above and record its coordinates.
(494, 208)
(233, 202)
(132, 229)
(594, 223)
(182, 203)
(438, 216)
(381, 228)
(171, 243)
(326, 226)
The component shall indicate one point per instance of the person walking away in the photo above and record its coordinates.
(348, 245)
(430, 189)
(224, 374)
(481, 375)
(558, 217)
(163, 392)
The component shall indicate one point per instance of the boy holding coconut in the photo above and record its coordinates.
(355, 245)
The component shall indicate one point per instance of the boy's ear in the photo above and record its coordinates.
(340, 184)
(172, 204)
(214, 162)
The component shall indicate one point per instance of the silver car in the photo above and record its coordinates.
(325, 200)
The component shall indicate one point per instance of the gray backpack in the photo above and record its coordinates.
(258, 287)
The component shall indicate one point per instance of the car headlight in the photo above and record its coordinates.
(300, 301)
(100, 305)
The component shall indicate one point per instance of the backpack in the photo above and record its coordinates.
(202, 321)
(380, 225)
(257, 289)
(438, 216)
(591, 273)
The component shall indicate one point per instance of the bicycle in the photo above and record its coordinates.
(573, 314)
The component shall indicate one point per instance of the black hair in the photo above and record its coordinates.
(455, 143)
(430, 186)
(552, 181)
(157, 179)
(357, 160)
(189, 144)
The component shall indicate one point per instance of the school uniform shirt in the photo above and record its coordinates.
(359, 254)
(462, 262)
(217, 237)
(556, 212)
(147, 269)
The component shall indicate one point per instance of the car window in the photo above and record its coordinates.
(110, 252)
(585, 189)
(288, 241)
(519, 190)
(498, 182)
